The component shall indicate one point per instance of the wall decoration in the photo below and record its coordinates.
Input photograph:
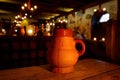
(81, 21)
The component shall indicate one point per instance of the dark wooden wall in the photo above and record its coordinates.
(22, 51)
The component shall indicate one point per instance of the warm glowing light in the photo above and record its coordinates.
(22, 18)
(15, 21)
(47, 27)
(103, 39)
(26, 14)
(18, 24)
(104, 9)
(25, 17)
(35, 7)
(63, 20)
(22, 7)
(3, 30)
(25, 4)
(66, 21)
(28, 8)
(30, 16)
(31, 9)
(95, 10)
(15, 30)
(16, 17)
(19, 21)
(48, 34)
(66, 9)
(50, 23)
(30, 32)
(53, 24)
(95, 39)
(59, 20)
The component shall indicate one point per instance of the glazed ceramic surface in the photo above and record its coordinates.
(64, 55)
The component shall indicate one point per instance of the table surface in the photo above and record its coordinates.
(85, 69)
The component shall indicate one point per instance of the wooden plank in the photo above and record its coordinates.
(109, 75)
(84, 69)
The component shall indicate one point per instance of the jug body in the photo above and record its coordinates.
(63, 55)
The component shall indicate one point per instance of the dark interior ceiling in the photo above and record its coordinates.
(47, 9)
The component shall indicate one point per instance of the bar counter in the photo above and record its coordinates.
(85, 69)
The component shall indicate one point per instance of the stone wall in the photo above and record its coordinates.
(81, 20)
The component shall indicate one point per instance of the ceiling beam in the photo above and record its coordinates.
(9, 1)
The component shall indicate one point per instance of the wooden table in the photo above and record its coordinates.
(86, 69)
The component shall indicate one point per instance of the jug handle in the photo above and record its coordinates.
(82, 44)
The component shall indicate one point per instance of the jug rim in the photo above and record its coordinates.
(63, 32)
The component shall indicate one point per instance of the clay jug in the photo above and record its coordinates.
(63, 54)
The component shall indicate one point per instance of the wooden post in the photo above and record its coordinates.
(116, 37)
(113, 38)
(29, 4)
